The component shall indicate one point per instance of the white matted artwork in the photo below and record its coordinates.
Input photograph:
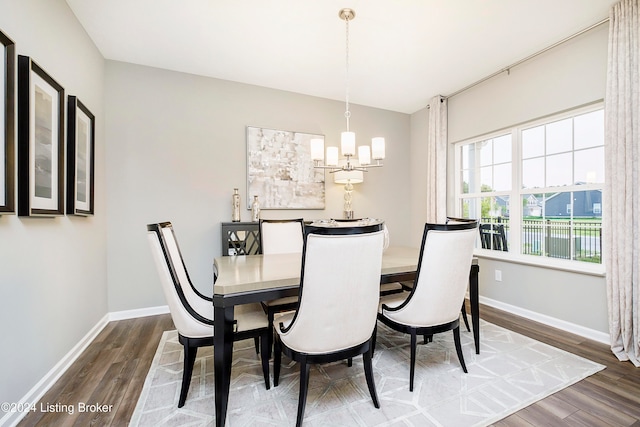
(280, 170)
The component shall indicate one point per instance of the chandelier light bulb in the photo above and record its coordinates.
(364, 155)
(348, 143)
(317, 149)
(377, 148)
(332, 156)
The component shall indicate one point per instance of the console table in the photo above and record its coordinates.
(240, 238)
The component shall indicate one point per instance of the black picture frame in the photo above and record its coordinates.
(80, 158)
(40, 141)
(7, 125)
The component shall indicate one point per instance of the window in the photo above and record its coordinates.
(537, 188)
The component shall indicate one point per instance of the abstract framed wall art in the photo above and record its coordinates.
(280, 170)
(40, 141)
(80, 158)
(7, 124)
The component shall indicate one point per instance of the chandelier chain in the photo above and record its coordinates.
(347, 113)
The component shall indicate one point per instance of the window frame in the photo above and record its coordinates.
(517, 192)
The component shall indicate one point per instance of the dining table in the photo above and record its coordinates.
(254, 278)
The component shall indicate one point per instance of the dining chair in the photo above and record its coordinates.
(385, 288)
(279, 236)
(433, 304)
(339, 266)
(454, 220)
(192, 312)
(492, 236)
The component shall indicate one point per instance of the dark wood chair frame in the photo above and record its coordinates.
(428, 331)
(190, 345)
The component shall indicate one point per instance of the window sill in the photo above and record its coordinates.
(542, 262)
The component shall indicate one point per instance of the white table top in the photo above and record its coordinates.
(258, 272)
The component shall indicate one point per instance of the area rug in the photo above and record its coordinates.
(512, 371)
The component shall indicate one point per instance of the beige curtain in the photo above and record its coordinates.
(622, 180)
(437, 161)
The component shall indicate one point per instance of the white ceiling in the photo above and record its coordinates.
(402, 52)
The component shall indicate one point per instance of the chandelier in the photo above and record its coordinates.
(348, 139)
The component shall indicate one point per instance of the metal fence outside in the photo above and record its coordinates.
(559, 238)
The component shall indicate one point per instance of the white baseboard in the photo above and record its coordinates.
(13, 418)
(548, 320)
(139, 312)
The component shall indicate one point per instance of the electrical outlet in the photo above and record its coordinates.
(498, 275)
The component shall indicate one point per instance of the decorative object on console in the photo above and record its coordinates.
(255, 209)
(280, 170)
(235, 206)
(40, 141)
(348, 178)
(7, 127)
(348, 138)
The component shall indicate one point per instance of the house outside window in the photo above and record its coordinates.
(537, 187)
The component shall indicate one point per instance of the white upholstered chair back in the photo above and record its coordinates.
(281, 236)
(175, 281)
(340, 292)
(443, 277)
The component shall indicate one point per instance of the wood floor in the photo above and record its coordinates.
(113, 368)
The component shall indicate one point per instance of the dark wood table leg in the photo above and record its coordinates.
(222, 358)
(475, 304)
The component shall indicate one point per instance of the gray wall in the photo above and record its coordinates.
(419, 134)
(171, 146)
(53, 274)
(177, 148)
(566, 77)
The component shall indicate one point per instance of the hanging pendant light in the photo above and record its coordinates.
(366, 154)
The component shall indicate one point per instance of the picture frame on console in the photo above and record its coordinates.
(80, 158)
(280, 170)
(7, 124)
(40, 141)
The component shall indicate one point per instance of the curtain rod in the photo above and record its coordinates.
(515, 64)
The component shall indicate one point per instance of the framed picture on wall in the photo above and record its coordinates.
(7, 128)
(280, 170)
(80, 157)
(40, 141)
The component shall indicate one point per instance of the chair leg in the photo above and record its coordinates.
(456, 339)
(264, 357)
(412, 367)
(270, 316)
(256, 343)
(350, 362)
(277, 355)
(464, 317)
(187, 371)
(304, 387)
(368, 373)
(375, 338)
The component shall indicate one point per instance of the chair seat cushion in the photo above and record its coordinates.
(250, 316)
(390, 288)
(393, 300)
(280, 301)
